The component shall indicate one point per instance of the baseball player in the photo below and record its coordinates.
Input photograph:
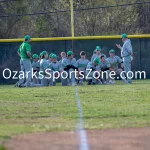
(25, 62)
(114, 61)
(92, 76)
(63, 64)
(105, 68)
(70, 64)
(43, 67)
(81, 65)
(54, 66)
(98, 53)
(50, 58)
(36, 68)
(127, 55)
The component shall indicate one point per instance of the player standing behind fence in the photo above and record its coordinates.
(81, 65)
(36, 68)
(126, 54)
(25, 62)
(43, 67)
(97, 53)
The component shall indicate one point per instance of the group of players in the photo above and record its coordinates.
(78, 71)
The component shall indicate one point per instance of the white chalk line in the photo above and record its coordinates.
(82, 133)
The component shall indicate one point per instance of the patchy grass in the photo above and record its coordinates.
(24, 110)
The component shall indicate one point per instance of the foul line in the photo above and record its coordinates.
(82, 133)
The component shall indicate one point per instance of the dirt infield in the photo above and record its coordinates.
(114, 139)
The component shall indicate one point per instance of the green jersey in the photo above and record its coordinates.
(24, 48)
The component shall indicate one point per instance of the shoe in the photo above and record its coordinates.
(104, 82)
(99, 83)
(21, 86)
(80, 83)
(112, 82)
(129, 82)
(73, 84)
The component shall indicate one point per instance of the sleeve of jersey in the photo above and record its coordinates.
(28, 48)
(129, 48)
(92, 58)
(60, 66)
(119, 60)
(64, 63)
(77, 63)
(108, 64)
(74, 62)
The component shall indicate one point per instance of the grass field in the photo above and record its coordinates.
(55, 108)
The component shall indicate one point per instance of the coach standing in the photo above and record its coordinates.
(126, 54)
(25, 62)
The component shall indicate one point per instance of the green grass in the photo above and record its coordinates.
(2, 147)
(55, 109)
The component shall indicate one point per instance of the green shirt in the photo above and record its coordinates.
(24, 48)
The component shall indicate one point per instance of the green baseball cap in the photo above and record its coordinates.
(69, 53)
(97, 61)
(27, 37)
(51, 54)
(124, 35)
(54, 56)
(112, 51)
(35, 56)
(98, 48)
(44, 52)
(40, 54)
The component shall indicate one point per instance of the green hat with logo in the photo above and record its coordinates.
(98, 48)
(97, 61)
(124, 35)
(69, 53)
(54, 56)
(44, 52)
(112, 51)
(35, 56)
(51, 54)
(27, 37)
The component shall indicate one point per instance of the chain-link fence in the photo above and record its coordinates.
(141, 47)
